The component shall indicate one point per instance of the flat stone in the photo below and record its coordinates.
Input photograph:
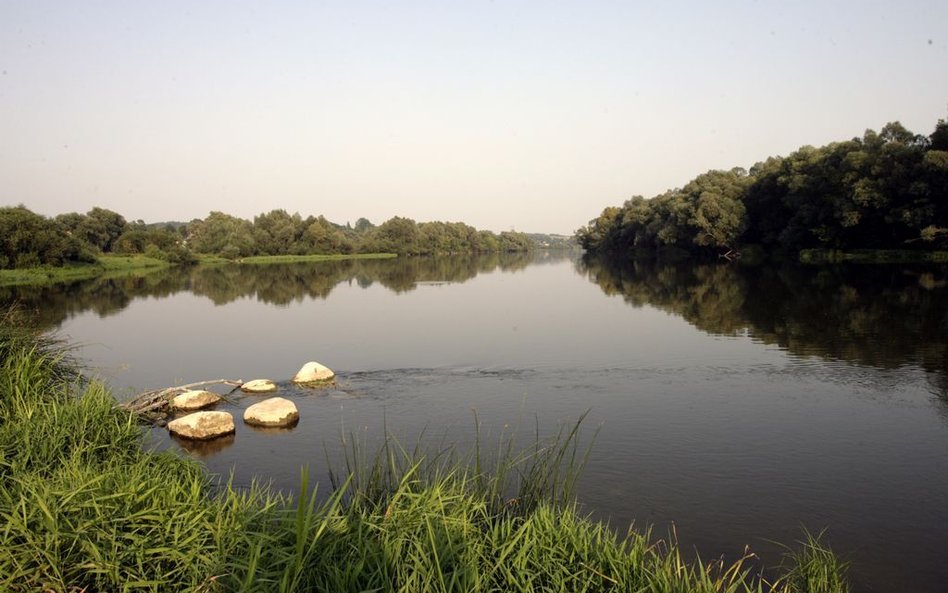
(202, 425)
(275, 411)
(194, 400)
(313, 372)
(259, 386)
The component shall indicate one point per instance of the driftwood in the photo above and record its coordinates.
(154, 405)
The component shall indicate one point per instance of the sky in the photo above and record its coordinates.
(523, 115)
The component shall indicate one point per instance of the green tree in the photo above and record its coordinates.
(939, 138)
(322, 236)
(222, 234)
(718, 209)
(101, 228)
(885, 190)
(28, 239)
(363, 225)
(397, 235)
(276, 232)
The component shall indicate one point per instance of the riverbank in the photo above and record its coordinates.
(872, 256)
(294, 259)
(105, 265)
(131, 265)
(86, 508)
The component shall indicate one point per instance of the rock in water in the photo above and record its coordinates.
(275, 411)
(259, 386)
(194, 400)
(313, 372)
(202, 425)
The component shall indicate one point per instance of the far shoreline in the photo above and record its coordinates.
(137, 265)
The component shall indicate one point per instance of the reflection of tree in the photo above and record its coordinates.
(277, 284)
(104, 296)
(873, 315)
(709, 297)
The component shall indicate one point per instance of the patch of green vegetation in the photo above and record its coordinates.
(872, 256)
(105, 265)
(813, 567)
(48, 275)
(124, 263)
(292, 259)
(84, 507)
(207, 259)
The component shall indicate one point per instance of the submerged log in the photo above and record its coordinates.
(154, 405)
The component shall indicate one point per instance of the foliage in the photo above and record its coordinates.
(886, 190)
(101, 228)
(162, 242)
(278, 233)
(29, 240)
(551, 241)
(222, 234)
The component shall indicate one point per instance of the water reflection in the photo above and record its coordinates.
(880, 316)
(276, 284)
(205, 449)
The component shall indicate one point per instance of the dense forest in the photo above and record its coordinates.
(28, 239)
(886, 190)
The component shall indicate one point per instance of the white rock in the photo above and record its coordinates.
(275, 411)
(259, 386)
(313, 372)
(202, 425)
(194, 400)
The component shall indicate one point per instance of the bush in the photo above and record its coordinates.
(27, 260)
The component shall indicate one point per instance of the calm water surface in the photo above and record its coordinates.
(738, 403)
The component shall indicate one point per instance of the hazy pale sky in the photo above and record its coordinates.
(525, 115)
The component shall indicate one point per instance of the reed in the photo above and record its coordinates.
(812, 566)
(84, 508)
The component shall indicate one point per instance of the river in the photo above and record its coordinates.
(735, 404)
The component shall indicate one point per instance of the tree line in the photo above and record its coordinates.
(886, 190)
(28, 239)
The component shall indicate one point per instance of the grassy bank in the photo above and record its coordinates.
(123, 265)
(105, 265)
(84, 508)
(293, 259)
(872, 256)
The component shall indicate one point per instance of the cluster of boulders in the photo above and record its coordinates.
(271, 412)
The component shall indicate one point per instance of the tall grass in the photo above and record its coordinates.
(508, 480)
(84, 508)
